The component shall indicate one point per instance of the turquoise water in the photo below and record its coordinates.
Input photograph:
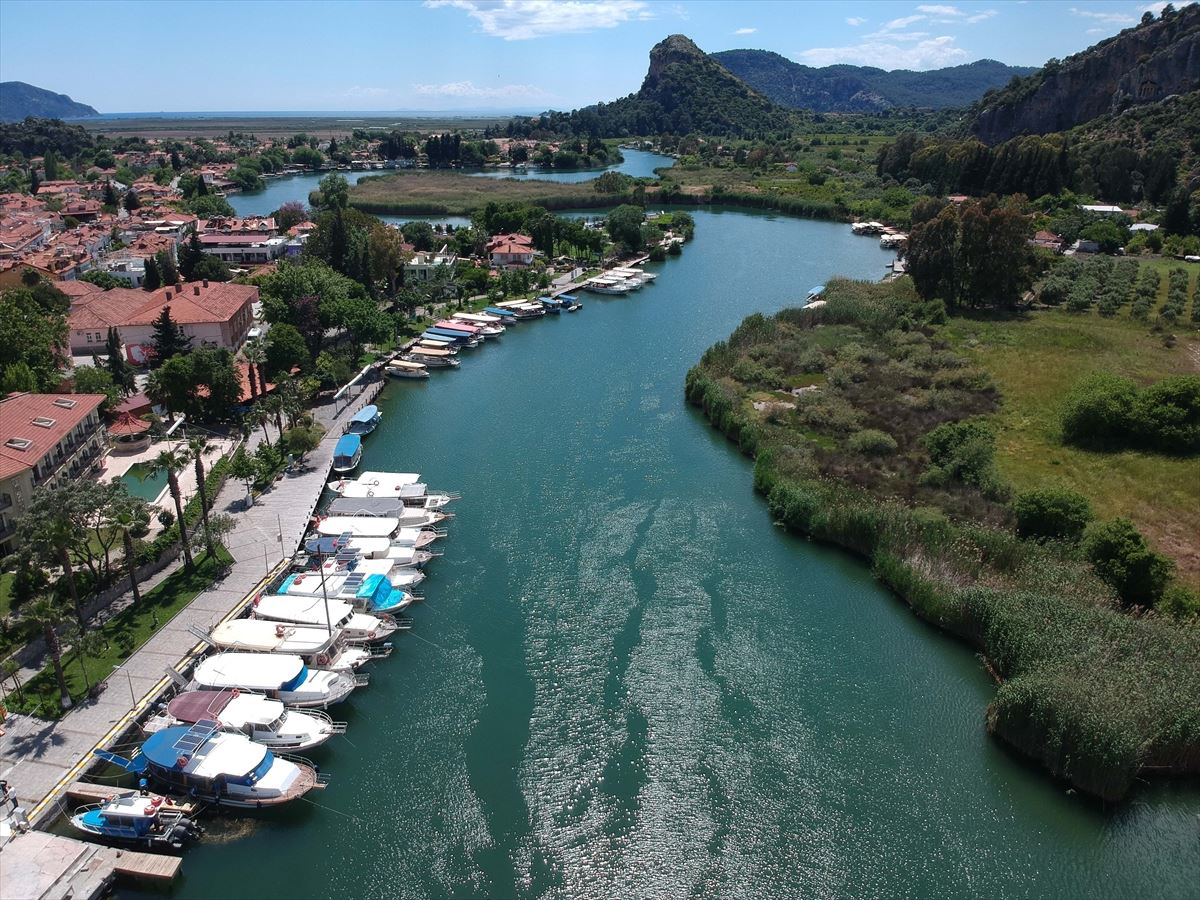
(625, 682)
(142, 480)
(289, 188)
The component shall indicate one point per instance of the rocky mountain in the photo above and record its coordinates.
(685, 90)
(1141, 65)
(863, 88)
(18, 100)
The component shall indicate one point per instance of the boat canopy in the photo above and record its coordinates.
(197, 750)
(396, 478)
(253, 671)
(500, 311)
(192, 706)
(429, 351)
(569, 298)
(406, 365)
(817, 291)
(359, 526)
(464, 327)
(365, 416)
(367, 506)
(450, 333)
(347, 446)
(303, 610)
(437, 338)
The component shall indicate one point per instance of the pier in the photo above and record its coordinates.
(41, 866)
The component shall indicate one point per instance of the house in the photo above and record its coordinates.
(1143, 226)
(243, 249)
(212, 314)
(1082, 246)
(423, 266)
(1102, 209)
(1048, 240)
(129, 263)
(44, 438)
(506, 250)
(82, 210)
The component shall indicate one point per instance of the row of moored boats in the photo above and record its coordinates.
(619, 281)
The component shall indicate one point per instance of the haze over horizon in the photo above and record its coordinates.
(511, 56)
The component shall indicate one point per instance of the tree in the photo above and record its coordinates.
(97, 380)
(46, 534)
(172, 462)
(34, 183)
(625, 227)
(335, 192)
(1051, 514)
(119, 368)
(32, 335)
(50, 165)
(102, 279)
(132, 201)
(256, 358)
(196, 449)
(10, 668)
(131, 516)
(169, 339)
(419, 234)
(152, 277)
(1108, 234)
(302, 440)
(46, 615)
(243, 469)
(176, 161)
(110, 195)
(166, 267)
(209, 206)
(84, 643)
(1120, 555)
(285, 349)
(289, 215)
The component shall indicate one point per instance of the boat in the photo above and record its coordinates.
(263, 720)
(370, 548)
(452, 325)
(449, 346)
(479, 319)
(461, 338)
(139, 819)
(439, 341)
(867, 227)
(325, 648)
(388, 507)
(220, 767)
(815, 294)
(551, 305)
(358, 526)
(403, 368)
(603, 285)
(522, 309)
(432, 359)
(625, 272)
(281, 676)
(381, 481)
(572, 302)
(364, 421)
(358, 627)
(347, 453)
(416, 496)
(893, 240)
(368, 586)
(398, 576)
(506, 316)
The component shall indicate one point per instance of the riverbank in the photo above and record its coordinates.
(834, 406)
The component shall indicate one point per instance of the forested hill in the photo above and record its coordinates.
(863, 88)
(684, 91)
(18, 100)
(1141, 65)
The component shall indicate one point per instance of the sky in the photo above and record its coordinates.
(503, 55)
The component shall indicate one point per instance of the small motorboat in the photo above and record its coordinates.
(403, 368)
(140, 820)
(365, 421)
(358, 627)
(347, 453)
(432, 359)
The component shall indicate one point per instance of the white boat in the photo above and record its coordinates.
(433, 359)
(383, 548)
(325, 648)
(645, 277)
(388, 508)
(616, 286)
(402, 368)
(140, 820)
(892, 241)
(281, 676)
(357, 526)
(415, 496)
(373, 587)
(383, 482)
(478, 318)
(358, 627)
(263, 720)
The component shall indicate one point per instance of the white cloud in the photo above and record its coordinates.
(855, 21)
(522, 20)
(746, 31)
(903, 22)
(892, 51)
(1114, 18)
(939, 10)
(1155, 8)
(468, 90)
(982, 16)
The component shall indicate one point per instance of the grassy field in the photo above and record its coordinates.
(121, 635)
(6, 583)
(274, 126)
(451, 193)
(1035, 362)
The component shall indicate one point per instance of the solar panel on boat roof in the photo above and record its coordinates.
(353, 582)
(347, 556)
(343, 539)
(193, 739)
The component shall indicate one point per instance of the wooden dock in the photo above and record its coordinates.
(153, 866)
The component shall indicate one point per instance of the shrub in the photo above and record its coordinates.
(1097, 412)
(962, 451)
(1167, 414)
(1120, 555)
(1109, 412)
(1179, 601)
(872, 442)
(1052, 513)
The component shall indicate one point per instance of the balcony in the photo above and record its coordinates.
(6, 501)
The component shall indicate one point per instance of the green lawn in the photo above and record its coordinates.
(6, 583)
(122, 634)
(1035, 362)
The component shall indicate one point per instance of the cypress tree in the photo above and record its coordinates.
(201, 187)
(33, 182)
(152, 280)
(166, 267)
(118, 366)
(110, 195)
(176, 162)
(169, 339)
(132, 201)
(190, 257)
(50, 164)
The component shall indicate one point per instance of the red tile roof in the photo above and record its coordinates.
(17, 414)
(191, 304)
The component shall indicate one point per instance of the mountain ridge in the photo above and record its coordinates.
(849, 88)
(19, 100)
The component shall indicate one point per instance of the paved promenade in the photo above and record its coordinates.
(38, 758)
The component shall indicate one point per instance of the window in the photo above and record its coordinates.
(43, 422)
(89, 337)
(65, 402)
(18, 443)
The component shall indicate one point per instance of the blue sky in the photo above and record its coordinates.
(488, 54)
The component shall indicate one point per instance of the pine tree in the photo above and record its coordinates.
(50, 165)
(169, 339)
(110, 195)
(166, 268)
(176, 161)
(152, 280)
(132, 202)
(118, 366)
(190, 257)
(201, 186)
(33, 182)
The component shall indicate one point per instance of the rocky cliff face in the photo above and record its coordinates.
(1140, 65)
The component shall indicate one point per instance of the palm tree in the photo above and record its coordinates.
(46, 614)
(84, 643)
(274, 406)
(127, 518)
(256, 358)
(259, 415)
(10, 668)
(197, 447)
(172, 461)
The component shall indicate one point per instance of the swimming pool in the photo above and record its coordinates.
(143, 481)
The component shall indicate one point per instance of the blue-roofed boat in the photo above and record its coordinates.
(815, 293)
(570, 302)
(460, 337)
(551, 304)
(138, 819)
(509, 317)
(365, 420)
(220, 767)
(347, 453)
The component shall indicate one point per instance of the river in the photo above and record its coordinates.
(286, 188)
(626, 682)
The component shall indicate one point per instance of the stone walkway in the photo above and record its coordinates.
(38, 758)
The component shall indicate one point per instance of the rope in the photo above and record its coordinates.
(354, 819)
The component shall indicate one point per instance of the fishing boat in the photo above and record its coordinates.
(392, 507)
(322, 647)
(140, 820)
(263, 720)
(281, 676)
(365, 421)
(572, 302)
(220, 767)
(403, 368)
(358, 627)
(347, 453)
(433, 359)
(381, 481)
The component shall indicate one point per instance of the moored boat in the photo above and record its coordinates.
(262, 719)
(364, 421)
(278, 675)
(139, 820)
(358, 627)
(322, 647)
(392, 507)
(381, 481)
(403, 368)
(347, 453)
(432, 359)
